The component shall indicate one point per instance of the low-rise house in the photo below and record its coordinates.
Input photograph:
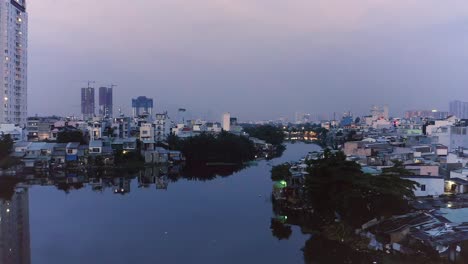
(357, 148)
(458, 182)
(15, 131)
(428, 185)
(441, 150)
(458, 156)
(96, 147)
(38, 154)
(21, 147)
(124, 144)
(423, 169)
(72, 151)
(59, 154)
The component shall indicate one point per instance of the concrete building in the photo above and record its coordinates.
(13, 70)
(428, 185)
(147, 133)
(15, 131)
(226, 121)
(459, 109)
(142, 106)
(162, 128)
(105, 102)
(87, 102)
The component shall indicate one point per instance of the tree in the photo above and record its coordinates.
(338, 186)
(6, 146)
(271, 134)
(280, 172)
(280, 230)
(67, 136)
(224, 147)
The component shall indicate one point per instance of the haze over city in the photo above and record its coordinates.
(259, 59)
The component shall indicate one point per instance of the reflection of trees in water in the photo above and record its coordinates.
(203, 172)
(99, 179)
(7, 187)
(321, 250)
(280, 230)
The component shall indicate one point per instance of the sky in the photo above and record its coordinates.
(257, 59)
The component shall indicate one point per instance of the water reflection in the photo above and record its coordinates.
(14, 228)
(14, 197)
(160, 222)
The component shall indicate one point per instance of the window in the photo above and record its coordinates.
(423, 187)
(96, 150)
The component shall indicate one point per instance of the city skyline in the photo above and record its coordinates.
(259, 60)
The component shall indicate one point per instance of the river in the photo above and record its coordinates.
(224, 220)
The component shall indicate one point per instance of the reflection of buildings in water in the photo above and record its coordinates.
(14, 229)
(154, 175)
(122, 185)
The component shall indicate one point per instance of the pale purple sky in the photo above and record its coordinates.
(257, 59)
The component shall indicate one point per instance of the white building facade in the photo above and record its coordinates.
(226, 121)
(13, 69)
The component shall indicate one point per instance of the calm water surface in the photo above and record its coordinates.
(225, 220)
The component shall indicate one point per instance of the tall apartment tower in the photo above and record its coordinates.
(105, 102)
(142, 106)
(459, 109)
(87, 102)
(13, 69)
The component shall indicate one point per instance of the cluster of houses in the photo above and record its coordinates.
(436, 152)
(37, 143)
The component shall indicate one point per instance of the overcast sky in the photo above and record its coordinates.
(258, 59)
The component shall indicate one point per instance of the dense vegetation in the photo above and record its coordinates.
(280, 172)
(337, 186)
(6, 147)
(222, 148)
(271, 134)
(70, 136)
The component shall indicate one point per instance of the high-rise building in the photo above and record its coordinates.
(14, 228)
(459, 109)
(105, 101)
(13, 69)
(142, 106)
(87, 102)
(226, 121)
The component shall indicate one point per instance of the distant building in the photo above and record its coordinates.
(380, 112)
(226, 121)
(13, 69)
(435, 114)
(142, 105)
(87, 102)
(162, 127)
(105, 102)
(459, 109)
(302, 118)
